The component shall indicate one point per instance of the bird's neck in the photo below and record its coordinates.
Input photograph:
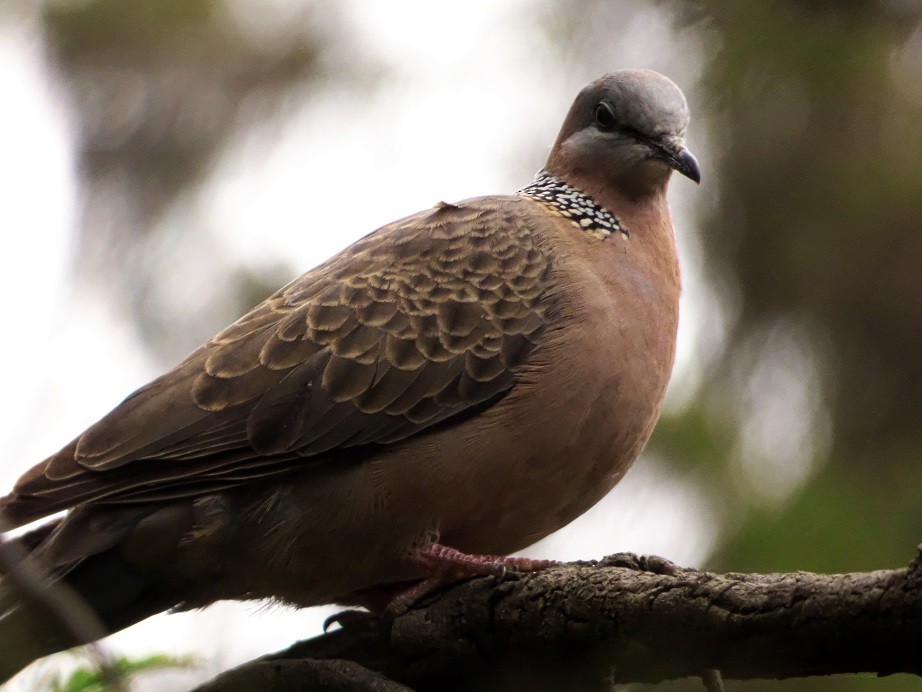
(598, 206)
(643, 218)
(565, 200)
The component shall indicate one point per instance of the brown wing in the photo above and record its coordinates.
(416, 323)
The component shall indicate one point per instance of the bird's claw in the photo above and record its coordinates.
(347, 617)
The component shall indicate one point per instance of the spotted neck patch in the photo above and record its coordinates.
(566, 201)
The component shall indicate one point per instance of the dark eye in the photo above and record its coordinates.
(604, 116)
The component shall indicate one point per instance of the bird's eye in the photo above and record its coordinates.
(604, 116)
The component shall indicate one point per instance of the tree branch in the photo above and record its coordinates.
(624, 619)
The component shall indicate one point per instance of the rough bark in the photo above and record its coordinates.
(624, 619)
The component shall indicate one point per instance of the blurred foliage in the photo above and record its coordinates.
(818, 131)
(821, 222)
(86, 679)
(814, 110)
(160, 87)
(129, 26)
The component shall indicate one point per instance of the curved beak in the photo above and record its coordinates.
(678, 158)
(686, 164)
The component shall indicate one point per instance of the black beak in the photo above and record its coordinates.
(676, 157)
(684, 163)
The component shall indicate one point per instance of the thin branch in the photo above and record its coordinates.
(303, 674)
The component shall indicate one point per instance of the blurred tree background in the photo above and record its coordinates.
(800, 415)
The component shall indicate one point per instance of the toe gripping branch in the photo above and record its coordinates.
(443, 566)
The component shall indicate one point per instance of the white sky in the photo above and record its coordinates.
(423, 137)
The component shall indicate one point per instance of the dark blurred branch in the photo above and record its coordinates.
(62, 602)
(625, 619)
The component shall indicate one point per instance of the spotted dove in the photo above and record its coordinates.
(465, 380)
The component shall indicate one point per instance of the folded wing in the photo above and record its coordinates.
(415, 324)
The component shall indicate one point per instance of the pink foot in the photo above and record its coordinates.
(440, 559)
(445, 566)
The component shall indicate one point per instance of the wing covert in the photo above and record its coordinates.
(415, 323)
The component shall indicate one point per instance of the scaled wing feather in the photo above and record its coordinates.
(414, 324)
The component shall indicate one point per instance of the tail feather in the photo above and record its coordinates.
(117, 592)
(91, 566)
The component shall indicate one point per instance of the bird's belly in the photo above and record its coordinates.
(494, 483)
(538, 477)
(562, 438)
(495, 490)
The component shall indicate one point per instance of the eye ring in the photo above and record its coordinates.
(604, 116)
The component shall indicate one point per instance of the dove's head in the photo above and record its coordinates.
(626, 130)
